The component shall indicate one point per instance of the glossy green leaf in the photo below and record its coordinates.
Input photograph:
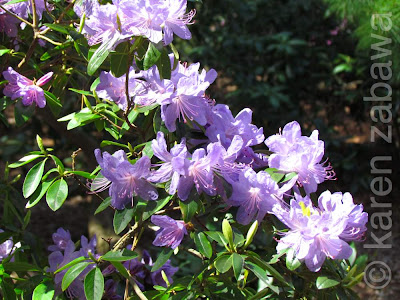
(188, 208)
(44, 291)
(122, 219)
(292, 263)
(103, 205)
(19, 267)
(94, 285)
(119, 59)
(237, 264)
(53, 102)
(122, 255)
(100, 55)
(73, 273)
(56, 194)
(151, 57)
(23, 113)
(324, 282)
(203, 244)
(25, 160)
(162, 258)
(33, 178)
(262, 275)
(223, 263)
(71, 263)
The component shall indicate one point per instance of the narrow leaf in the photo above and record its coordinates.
(32, 179)
(73, 273)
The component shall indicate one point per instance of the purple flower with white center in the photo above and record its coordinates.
(301, 154)
(156, 276)
(175, 163)
(171, 232)
(60, 239)
(88, 246)
(342, 205)
(201, 172)
(20, 86)
(223, 127)
(126, 179)
(114, 89)
(256, 194)
(177, 20)
(317, 233)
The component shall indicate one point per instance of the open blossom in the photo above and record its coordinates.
(175, 163)
(256, 194)
(152, 18)
(301, 154)
(60, 239)
(126, 179)
(7, 248)
(20, 86)
(317, 233)
(171, 232)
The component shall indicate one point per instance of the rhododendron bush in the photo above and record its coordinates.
(204, 185)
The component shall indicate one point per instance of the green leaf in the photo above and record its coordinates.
(262, 275)
(188, 208)
(57, 27)
(223, 263)
(289, 176)
(4, 51)
(227, 232)
(94, 84)
(122, 255)
(292, 263)
(269, 268)
(151, 209)
(71, 263)
(86, 175)
(121, 269)
(7, 291)
(151, 57)
(25, 160)
(109, 143)
(14, 1)
(19, 267)
(203, 244)
(164, 65)
(100, 55)
(237, 263)
(324, 282)
(162, 259)
(133, 114)
(32, 179)
(23, 113)
(56, 194)
(218, 237)
(122, 219)
(119, 59)
(58, 163)
(82, 92)
(251, 233)
(44, 291)
(53, 102)
(103, 205)
(73, 273)
(94, 285)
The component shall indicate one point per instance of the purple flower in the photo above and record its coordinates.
(114, 89)
(341, 205)
(223, 127)
(201, 172)
(8, 24)
(151, 18)
(7, 248)
(20, 86)
(255, 194)
(156, 276)
(60, 239)
(110, 290)
(126, 179)
(58, 259)
(88, 246)
(317, 233)
(171, 232)
(301, 154)
(175, 163)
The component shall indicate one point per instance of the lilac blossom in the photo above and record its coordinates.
(317, 233)
(152, 18)
(223, 127)
(114, 89)
(175, 163)
(256, 194)
(60, 238)
(20, 86)
(126, 179)
(301, 154)
(88, 246)
(7, 248)
(342, 205)
(201, 172)
(58, 259)
(171, 232)
(8, 24)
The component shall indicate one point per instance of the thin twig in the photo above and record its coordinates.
(40, 36)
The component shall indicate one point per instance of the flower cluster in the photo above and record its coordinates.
(319, 232)
(64, 251)
(157, 20)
